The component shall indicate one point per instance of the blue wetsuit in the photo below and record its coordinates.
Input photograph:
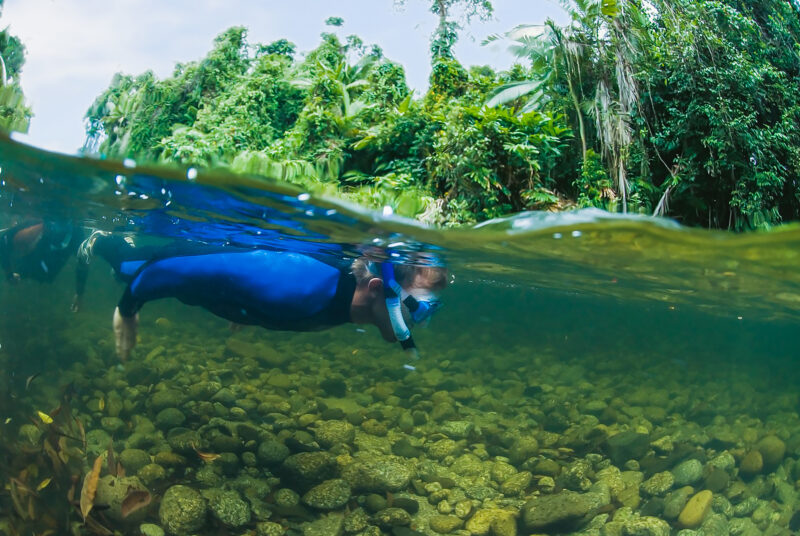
(274, 289)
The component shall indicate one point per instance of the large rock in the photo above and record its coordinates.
(626, 446)
(772, 450)
(112, 491)
(329, 495)
(378, 473)
(228, 507)
(182, 511)
(306, 469)
(563, 511)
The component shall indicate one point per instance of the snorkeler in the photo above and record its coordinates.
(278, 290)
(37, 249)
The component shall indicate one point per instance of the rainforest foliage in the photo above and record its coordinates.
(686, 108)
(14, 114)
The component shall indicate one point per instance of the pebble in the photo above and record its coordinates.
(695, 510)
(752, 463)
(687, 473)
(658, 484)
(444, 524)
(772, 450)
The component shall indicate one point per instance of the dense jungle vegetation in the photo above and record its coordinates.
(15, 115)
(684, 108)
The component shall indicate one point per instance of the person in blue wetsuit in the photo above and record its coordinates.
(280, 290)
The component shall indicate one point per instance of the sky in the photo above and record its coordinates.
(74, 47)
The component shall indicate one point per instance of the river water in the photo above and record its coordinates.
(589, 373)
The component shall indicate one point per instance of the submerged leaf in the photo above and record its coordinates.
(207, 457)
(134, 500)
(43, 484)
(47, 419)
(90, 487)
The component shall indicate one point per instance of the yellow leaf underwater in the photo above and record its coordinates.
(101, 404)
(90, 487)
(47, 419)
(43, 484)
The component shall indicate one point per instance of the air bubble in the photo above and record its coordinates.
(304, 197)
(387, 211)
(129, 163)
(396, 244)
(119, 179)
(191, 173)
(576, 234)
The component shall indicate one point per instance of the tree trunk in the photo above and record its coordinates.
(577, 105)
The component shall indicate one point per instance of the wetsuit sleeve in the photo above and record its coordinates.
(128, 305)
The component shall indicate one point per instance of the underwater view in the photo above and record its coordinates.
(587, 373)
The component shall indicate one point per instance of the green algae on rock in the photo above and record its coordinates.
(182, 510)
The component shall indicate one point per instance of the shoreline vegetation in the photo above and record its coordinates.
(680, 108)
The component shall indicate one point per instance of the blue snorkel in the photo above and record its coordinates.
(420, 310)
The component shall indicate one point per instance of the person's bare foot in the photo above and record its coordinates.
(125, 328)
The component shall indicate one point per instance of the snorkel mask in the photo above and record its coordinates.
(419, 310)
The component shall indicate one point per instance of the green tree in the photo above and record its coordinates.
(15, 115)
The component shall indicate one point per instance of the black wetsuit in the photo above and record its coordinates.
(51, 243)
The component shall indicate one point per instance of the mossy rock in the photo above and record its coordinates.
(133, 460)
(166, 398)
(272, 452)
(378, 473)
(182, 511)
(228, 507)
(328, 495)
(169, 418)
(152, 474)
(111, 492)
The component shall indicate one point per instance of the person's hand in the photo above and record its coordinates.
(125, 328)
(77, 303)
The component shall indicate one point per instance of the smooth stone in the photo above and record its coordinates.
(772, 450)
(485, 519)
(687, 473)
(564, 510)
(696, 510)
(169, 418)
(133, 460)
(752, 463)
(444, 524)
(628, 445)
